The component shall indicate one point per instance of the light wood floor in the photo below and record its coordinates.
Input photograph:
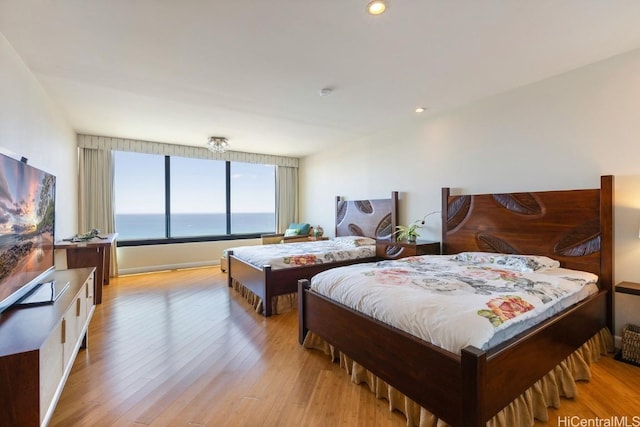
(181, 349)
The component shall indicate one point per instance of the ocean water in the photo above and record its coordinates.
(152, 226)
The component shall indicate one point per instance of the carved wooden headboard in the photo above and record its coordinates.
(376, 218)
(573, 226)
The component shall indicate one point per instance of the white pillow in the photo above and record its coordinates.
(354, 240)
(291, 232)
(523, 263)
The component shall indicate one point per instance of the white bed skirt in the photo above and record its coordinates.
(279, 304)
(532, 404)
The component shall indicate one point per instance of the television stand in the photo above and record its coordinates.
(38, 347)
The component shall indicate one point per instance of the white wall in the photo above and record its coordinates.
(560, 133)
(32, 126)
(138, 259)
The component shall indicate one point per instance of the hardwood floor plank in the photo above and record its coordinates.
(182, 349)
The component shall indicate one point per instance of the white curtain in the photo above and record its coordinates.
(286, 196)
(96, 205)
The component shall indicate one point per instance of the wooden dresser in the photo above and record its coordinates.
(38, 345)
(91, 253)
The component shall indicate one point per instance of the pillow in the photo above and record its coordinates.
(291, 232)
(355, 240)
(523, 263)
(303, 229)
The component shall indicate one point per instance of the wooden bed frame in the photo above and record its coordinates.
(574, 227)
(371, 218)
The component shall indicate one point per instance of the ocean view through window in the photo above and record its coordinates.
(160, 197)
(197, 197)
(145, 226)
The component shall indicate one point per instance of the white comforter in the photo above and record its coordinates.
(452, 301)
(287, 255)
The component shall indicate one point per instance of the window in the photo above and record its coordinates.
(139, 196)
(252, 198)
(198, 197)
(175, 199)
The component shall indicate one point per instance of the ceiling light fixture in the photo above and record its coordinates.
(217, 144)
(376, 7)
(420, 110)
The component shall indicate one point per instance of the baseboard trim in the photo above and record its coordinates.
(153, 268)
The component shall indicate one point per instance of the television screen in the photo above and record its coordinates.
(27, 204)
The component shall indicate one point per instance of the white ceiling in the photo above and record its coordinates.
(180, 71)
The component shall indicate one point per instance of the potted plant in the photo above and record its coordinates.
(410, 232)
(407, 232)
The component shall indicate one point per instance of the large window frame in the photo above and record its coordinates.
(204, 238)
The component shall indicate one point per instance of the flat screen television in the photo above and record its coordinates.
(27, 215)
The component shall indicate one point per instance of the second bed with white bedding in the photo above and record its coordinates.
(454, 301)
(287, 255)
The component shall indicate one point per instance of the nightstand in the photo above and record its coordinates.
(390, 249)
(627, 302)
(630, 288)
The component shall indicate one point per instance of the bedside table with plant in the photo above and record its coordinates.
(392, 249)
(406, 242)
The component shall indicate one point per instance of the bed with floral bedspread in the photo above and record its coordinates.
(267, 276)
(453, 301)
(436, 376)
(288, 255)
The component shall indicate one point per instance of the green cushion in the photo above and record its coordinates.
(303, 229)
(291, 232)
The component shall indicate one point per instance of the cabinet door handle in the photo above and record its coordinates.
(63, 329)
(78, 302)
(86, 289)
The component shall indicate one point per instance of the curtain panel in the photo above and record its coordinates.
(149, 147)
(286, 197)
(96, 198)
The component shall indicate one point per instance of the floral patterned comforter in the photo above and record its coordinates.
(287, 255)
(455, 300)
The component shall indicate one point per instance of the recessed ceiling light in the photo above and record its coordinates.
(376, 7)
(420, 110)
